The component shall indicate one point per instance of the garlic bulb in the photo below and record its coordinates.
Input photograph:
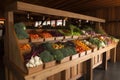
(34, 61)
(36, 58)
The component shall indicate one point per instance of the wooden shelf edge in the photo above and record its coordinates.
(18, 6)
(77, 76)
(97, 64)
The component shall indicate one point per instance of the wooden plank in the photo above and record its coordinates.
(104, 61)
(6, 38)
(91, 5)
(66, 74)
(6, 73)
(95, 59)
(113, 55)
(97, 64)
(80, 67)
(10, 75)
(58, 76)
(50, 78)
(15, 78)
(118, 53)
(10, 66)
(14, 51)
(89, 75)
(108, 55)
(44, 10)
(73, 71)
(76, 77)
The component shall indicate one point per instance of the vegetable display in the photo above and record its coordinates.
(41, 53)
(46, 56)
(97, 42)
(80, 46)
(34, 61)
(20, 30)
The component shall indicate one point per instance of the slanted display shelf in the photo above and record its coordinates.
(14, 61)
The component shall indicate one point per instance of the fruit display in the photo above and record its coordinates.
(58, 46)
(80, 46)
(34, 36)
(45, 35)
(38, 54)
(25, 48)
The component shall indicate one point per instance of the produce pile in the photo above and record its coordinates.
(20, 30)
(37, 54)
(89, 31)
(96, 41)
(48, 52)
(25, 48)
(80, 46)
(89, 44)
(73, 30)
(53, 51)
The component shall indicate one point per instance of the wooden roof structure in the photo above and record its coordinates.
(77, 6)
(69, 5)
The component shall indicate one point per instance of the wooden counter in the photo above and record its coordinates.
(40, 75)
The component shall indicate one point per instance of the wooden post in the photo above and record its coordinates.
(50, 78)
(9, 22)
(89, 75)
(12, 50)
(113, 55)
(104, 60)
(73, 71)
(6, 73)
(65, 75)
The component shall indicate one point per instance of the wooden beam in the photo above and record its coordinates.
(104, 61)
(113, 55)
(44, 10)
(89, 75)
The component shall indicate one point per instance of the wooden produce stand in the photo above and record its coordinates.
(71, 69)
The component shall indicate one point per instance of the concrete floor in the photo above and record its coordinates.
(113, 72)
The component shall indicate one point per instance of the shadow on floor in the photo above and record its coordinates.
(113, 72)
